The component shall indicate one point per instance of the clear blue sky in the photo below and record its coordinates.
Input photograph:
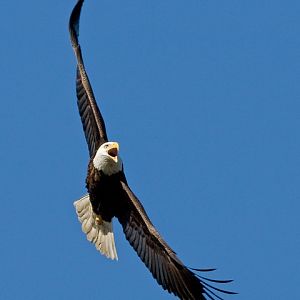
(204, 99)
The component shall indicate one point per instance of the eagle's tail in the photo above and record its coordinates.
(98, 231)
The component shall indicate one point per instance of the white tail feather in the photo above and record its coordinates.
(98, 232)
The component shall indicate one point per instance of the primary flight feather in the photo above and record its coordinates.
(109, 196)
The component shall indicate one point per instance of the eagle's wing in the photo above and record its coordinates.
(92, 120)
(159, 258)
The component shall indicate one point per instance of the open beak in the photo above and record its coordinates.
(113, 151)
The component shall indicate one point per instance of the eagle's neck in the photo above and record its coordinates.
(107, 165)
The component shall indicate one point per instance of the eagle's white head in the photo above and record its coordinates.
(107, 158)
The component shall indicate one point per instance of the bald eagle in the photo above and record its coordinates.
(109, 196)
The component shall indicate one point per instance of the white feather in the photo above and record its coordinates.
(105, 163)
(98, 232)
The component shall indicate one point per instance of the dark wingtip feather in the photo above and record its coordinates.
(208, 287)
(203, 270)
(74, 21)
(211, 295)
(217, 289)
(214, 280)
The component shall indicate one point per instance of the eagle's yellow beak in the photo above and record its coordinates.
(113, 151)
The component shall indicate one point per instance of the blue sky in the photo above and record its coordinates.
(203, 97)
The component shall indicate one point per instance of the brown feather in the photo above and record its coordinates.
(91, 118)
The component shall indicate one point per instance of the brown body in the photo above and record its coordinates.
(105, 192)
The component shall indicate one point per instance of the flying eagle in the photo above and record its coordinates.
(109, 196)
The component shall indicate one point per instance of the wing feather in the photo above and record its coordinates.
(91, 118)
(158, 257)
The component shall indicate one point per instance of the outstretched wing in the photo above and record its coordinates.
(91, 118)
(159, 258)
